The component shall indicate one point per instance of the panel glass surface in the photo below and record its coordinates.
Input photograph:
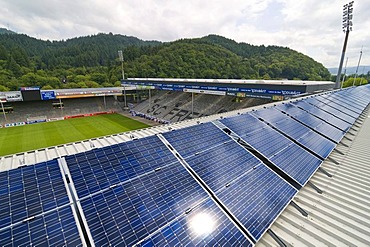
(127, 213)
(243, 124)
(205, 225)
(190, 140)
(34, 208)
(270, 115)
(221, 165)
(274, 146)
(99, 169)
(329, 118)
(55, 228)
(257, 198)
(29, 191)
(299, 133)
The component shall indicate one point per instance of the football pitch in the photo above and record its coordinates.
(42, 135)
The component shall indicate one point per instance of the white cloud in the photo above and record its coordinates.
(311, 27)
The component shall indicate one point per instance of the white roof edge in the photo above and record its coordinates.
(237, 81)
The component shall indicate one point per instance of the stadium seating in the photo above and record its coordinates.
(34, 109)
(177, 106)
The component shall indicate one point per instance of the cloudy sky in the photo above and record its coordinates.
(312, 27)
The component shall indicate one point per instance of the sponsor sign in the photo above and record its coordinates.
(11, 96)
(229, 90)
(48, 95)
(29, 88)
(204, 91)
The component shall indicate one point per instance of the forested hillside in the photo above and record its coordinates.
(92, 61)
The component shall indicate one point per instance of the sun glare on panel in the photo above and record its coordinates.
(202, 224)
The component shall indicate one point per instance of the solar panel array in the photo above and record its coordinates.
(193, 186)
(35, 208)
(295, 161)
(297, 131)
(251, 192)
(138, 191)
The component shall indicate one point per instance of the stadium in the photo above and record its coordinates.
(226, 163)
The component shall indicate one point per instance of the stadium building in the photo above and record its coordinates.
(287, 173)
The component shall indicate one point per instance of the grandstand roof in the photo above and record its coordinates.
(237, 81)
(337, 217)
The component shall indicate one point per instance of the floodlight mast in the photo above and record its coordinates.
(120, 55)
(347, 27)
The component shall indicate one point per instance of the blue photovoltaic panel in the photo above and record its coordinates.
(297, 162)
(290, 109)
(204, 226)
(335, 112)
(55, 228)
(338, 106)
(313, 101)
(188, 141)
(270, 115)
(340, 103)
(329, 118)
(323, 128)
(292, 128)
(360, 100)
(257, 198)
(221, 165)
(317, 143)
(267, 141)
(129, 212)
(29, 191)
(273, 145)
(305, 136)
(98, 169)
(34, 208)
(351, 103)
(243, 124)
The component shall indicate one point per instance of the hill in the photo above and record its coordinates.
(92, 61)
(365, 69)
(6, 31)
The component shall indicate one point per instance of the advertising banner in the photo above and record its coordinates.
(228, 89)
(48, 95)
(204, 91)
(11, 96)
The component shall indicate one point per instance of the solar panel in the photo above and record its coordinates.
(34, 207)
(206, 225)
(221, 165)
(188, 141)
(131, 211)
(256, 199)
(99, 169)
(329, 118)
(340, 103)
(267, 141)
(335, 112)
(243, 124)
(297, 163)
(350, 102)
(317, 144)
(272, 145)
(297, 132)
(55, 228)
(229, 170)
(338, 106)
(321, 127)
(290, 109)
(30, 191)
(270, 115)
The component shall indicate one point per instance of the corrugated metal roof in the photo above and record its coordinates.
(340, 216)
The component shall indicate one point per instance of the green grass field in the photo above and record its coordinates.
(36, 136)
